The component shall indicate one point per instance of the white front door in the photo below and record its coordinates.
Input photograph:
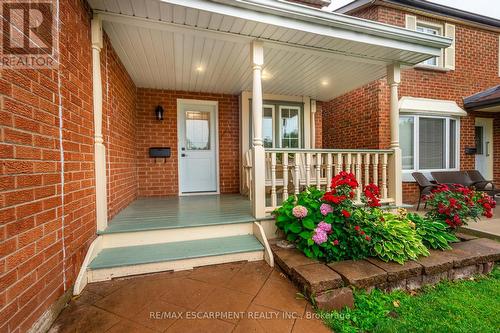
(484, 146)
(197, 146)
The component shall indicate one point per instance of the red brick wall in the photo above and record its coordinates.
(159, 178)
(119, 130)
(34, 269)
(318, 125)
(476, 68)
(352, 120)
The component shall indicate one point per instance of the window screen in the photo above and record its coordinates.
(432, 143)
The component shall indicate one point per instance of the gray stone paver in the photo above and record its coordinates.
(267, 298)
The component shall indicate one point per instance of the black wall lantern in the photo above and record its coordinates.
(159, 112)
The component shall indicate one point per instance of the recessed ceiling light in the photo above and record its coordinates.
(200, 68)
(324, 83)
(266, 75)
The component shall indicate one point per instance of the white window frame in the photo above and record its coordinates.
(280, 127)
(440, 29)
(416, 149)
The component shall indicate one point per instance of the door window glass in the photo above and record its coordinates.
(479, 140)
(197, 130)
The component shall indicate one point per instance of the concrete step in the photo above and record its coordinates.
(181, 255)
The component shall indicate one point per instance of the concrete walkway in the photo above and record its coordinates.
(236, 297)
(489, 228)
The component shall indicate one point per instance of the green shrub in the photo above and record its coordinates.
(458, 205)
(320, 225)
(300, 230)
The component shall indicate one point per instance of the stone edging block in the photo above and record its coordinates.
(328, 284)
(359, 273)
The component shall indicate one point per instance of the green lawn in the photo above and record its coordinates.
(465, 306)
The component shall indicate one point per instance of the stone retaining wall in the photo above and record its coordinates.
(330, 285)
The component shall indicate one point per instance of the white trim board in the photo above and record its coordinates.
(430, 107)
(105, 274)
(134, 238)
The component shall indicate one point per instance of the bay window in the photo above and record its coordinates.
(428, 143)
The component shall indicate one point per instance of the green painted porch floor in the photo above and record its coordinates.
(144, 254)
(181, 212)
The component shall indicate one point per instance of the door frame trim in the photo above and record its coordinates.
(180, 103)
(491, 163)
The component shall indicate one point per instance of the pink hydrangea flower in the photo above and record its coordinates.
(299, 211)
(326, 227)
(325, 209)
(319, 236)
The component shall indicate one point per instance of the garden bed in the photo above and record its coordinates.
(329, 286)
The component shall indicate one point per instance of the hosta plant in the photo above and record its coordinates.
(393, 237)
(435, 234)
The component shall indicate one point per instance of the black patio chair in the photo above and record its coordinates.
(425, 186)
(482, 184)
(452, 177)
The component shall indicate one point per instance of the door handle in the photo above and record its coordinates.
(487, 148)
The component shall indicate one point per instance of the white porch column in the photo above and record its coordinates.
(99, 149)
(395, 163)
(258, 163)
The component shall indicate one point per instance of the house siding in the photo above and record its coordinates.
(476, 68)
(160, 178)
(36, 200)
(46, 225)
(119, 130)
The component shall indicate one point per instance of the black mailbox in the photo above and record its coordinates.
(159, 152)
(470, 150)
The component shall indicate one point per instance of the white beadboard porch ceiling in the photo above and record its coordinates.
(162, 43)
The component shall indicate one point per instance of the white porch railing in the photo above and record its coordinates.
(289, 171)
(280, 172)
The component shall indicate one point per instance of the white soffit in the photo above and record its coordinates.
(427, 106)
(307, 51)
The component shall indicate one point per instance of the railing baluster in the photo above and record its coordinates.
(340, 163)
(297, 174)
(285, 176)
(358, 176)
(329, 163)
(308, 169)
(367, 169)
(273, 180)
(384, 177)
(318, 170)
(316, 167)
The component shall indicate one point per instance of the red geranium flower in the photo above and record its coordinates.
(346, 213)
(372, 193)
